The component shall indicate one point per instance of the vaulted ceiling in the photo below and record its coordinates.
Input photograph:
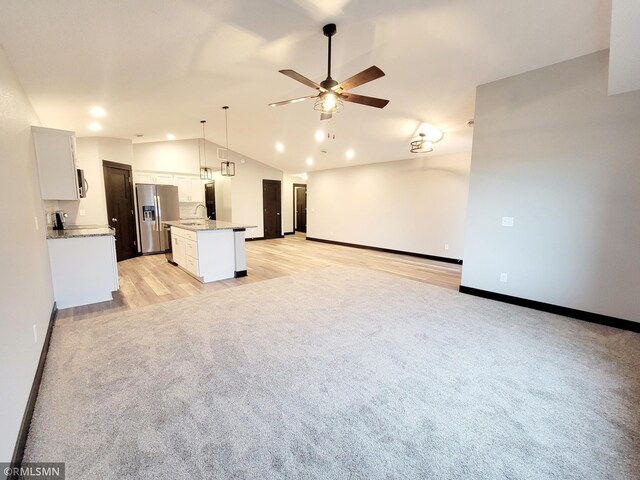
(161, 67)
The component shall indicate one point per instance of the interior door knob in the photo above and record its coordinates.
(114, 219)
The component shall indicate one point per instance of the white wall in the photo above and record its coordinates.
(415, 205)
(246, 193)
(552, 150)
(178, 156)
(26, 294)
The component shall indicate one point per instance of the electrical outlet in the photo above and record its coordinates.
(446, 246)
(35, 333)
(503, 277)
(37, 226)
(507, 221)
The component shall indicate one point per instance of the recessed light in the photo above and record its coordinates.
(349, 153)
(309, 161)
(171, 136)
(98, 112)
(279, 147)
(95, 127)
(319, 135)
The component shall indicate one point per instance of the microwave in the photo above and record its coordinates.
(83, 185)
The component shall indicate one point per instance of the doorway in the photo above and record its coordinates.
(299, 207)
(272, 205)
(210, 199)
(118, 188)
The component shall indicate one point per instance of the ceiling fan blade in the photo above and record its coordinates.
(364, 100)
(325, 116)
(287, 102)
(302, 79)
(361, 78)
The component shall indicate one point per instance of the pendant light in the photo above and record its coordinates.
(205, 172)
(227, 168)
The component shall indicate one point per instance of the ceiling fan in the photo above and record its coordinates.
(331, 94)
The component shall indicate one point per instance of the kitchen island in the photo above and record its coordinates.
(83, 265)
(209, 250)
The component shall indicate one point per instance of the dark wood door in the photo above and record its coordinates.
(210, 200)
(271, 204)
(118, 188)
(300, 192)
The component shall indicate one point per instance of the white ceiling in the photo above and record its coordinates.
(161, 66)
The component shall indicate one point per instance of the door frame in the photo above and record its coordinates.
(279, 183)
(298, 185)
(132, 226)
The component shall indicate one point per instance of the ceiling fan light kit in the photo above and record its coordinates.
(227, 168)
(332, 94)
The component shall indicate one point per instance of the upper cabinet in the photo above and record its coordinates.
(190, 189)
(56, 157)
(154, 177)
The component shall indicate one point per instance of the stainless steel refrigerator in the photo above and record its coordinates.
(156, 204)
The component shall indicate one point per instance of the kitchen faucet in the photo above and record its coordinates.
(199, 205)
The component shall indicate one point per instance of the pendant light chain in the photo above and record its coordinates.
(227, 168)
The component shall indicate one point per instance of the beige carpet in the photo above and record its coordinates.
(335, 374)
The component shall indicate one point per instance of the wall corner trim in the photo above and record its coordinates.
(23, 433)
(557, 309)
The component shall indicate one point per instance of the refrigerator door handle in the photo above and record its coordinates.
(159, 216)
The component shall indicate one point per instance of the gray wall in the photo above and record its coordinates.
(26, 295)
(415, 205)
(552, 150)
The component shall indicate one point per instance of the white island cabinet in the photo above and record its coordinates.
(209, 250)
(83, 265)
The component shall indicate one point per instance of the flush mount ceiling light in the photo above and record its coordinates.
(279, 147)
(227, 168)
(98, 112)
(421, 145)
(349, 153)
(95, 127)
(309, 161)
(425, 137)
(205, 172)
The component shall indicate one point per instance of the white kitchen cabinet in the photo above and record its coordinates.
(84, 269)
(190, 188)
(165, 179)
(56, 157)
(155, 178)
(208, 255)
(178, 247)
(197, 190)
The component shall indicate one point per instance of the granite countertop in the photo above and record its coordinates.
(200, 225)
(82, 231)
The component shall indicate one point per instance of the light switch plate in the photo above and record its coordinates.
(503, 277)
(507, 221)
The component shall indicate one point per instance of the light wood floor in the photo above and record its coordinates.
(151, 279)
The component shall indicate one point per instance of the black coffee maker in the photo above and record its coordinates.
(59, 219)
